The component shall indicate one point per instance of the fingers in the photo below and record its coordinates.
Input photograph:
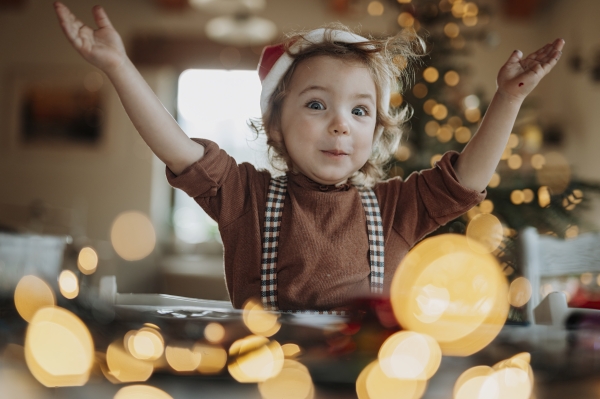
(101, 17)
(68, 22)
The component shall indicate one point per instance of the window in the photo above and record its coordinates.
(216, 105)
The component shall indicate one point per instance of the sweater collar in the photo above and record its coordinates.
(302, 181)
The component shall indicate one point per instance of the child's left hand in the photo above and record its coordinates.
(519, 76)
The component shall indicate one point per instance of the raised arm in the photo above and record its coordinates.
(516, 79)
(104, 49)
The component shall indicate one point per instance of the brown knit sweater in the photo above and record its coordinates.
(323, 247)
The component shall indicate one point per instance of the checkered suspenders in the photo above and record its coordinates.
(273, 211)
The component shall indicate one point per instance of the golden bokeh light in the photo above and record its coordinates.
(406, 20)
(292, 382)
(402, 153)
(430, 74)
(59, 350)
(458, 9)
(470, 20)
(404, 1)
(410, 355)
(439, 111)
(213, 358)
(471, 383)
(451, 30)
(543, 196)
(555, 173)
(494, 181)
(473, 115)
(586, 278)
(214, 333)
(451, 78)
(471, 101)
(182, 358)
(434, 159)
(132, 236)
(444, 133)
(68, 284)
(420, 90)
(141, 392)
(124, 367)
(145, 344)
(486, 206)
(511, 378)
(458, 42)
(255, 359)
(471, 9)
(87, 261)
(455, 121)
(513, 141)
(431, 128)
(528, 195)
(375, 8)
(517, 197)
(372, 383)
(260, 321)
(32, 294)
(486, 231)
(538, 161)
(396, 99)
(428, 106)
(572, 232)
(514, 161)
(457, 295)
(462, 134)
(291, 351)
(519, 292)
(400, 61)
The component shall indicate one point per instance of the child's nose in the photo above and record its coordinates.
(339, 125)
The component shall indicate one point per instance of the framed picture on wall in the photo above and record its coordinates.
(55, 109)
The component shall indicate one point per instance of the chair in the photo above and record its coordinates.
(547, 256)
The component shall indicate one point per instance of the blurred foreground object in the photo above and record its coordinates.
(452, 290)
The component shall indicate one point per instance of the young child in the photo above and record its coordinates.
(330, 229)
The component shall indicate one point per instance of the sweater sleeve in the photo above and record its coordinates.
(217, 183)
(427, 199)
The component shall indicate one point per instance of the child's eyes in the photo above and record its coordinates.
(315, 105)
(360, 111)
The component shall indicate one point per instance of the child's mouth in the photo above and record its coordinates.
(335, 153)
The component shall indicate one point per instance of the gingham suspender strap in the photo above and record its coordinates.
(268, 272)
(273, 211)
(375, 232)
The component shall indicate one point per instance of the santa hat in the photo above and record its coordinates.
(275, 61)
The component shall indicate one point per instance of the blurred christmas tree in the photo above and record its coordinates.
(532, 185)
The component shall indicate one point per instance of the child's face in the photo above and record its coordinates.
(328, 118)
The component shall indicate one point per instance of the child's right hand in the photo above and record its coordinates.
(102, 47)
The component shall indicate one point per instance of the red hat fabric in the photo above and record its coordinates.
(274, 62)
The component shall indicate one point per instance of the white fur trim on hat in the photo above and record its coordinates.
(270, 82)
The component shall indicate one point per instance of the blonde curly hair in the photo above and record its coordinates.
(390, 61)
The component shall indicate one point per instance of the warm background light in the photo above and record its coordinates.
(486, 230)
(132, 235)
(519, 292)
(124, 367)
(59, 350)
(372, 383)
(255, 359)
(141, 392)
(68, 284)
(447, 290)
(214, 332)
(31, 294)
(87, 261)
(182, 357)
(258, 320)
(292, 382)
(212, 358)
(410, 355)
